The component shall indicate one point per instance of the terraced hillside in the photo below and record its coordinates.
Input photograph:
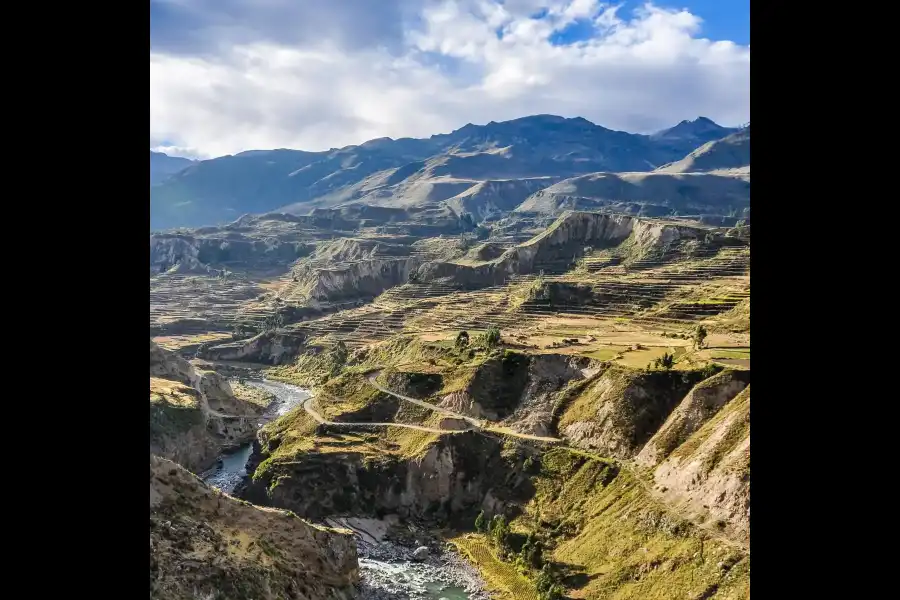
(648, 285)
(584, 390)
(566, 441)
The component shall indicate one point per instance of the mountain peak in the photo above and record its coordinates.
(701, 129)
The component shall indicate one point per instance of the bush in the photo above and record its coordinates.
(492, 337)
(667, 361)
(462, 339)
(273, 322)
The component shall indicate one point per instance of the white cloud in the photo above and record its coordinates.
(644, 72)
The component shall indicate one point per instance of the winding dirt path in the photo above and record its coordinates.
(479, 424)
(307, 406)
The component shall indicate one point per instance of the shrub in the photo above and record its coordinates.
(492, 337)
(462, 339)
(666, 361)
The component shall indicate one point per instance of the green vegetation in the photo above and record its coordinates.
(479, 522)
(502, 577)
(273, 322)
(491, 337)
(666, 361)
(338, 357)
(462, 339)
(699, 336)
(599, 522)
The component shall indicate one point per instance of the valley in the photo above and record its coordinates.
(468, 375)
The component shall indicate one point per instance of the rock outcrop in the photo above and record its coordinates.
(205, 544)
(269, 347)
(493, 390)
(548, 374)
(698, 407)
(451, 476)
(621, 409)
(365, 278)
(186, 408)
(565, 238)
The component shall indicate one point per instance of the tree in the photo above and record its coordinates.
(500, 531)
(462, 339)
(699, 336)
(479, 521)
(492, 337)
(547, 586)
(666, 361)
(273, 322)
(532, 552)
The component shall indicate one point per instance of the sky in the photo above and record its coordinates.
(234, 75)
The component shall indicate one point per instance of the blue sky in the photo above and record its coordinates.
(233, 75)
(722, 20)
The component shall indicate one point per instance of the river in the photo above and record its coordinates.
(387, 570)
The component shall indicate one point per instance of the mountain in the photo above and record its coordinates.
(415, 172)
(731, 153)
(699, 130)
(162, 166)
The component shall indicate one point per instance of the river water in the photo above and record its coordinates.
(387, 570)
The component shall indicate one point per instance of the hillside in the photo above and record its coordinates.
(186, 408)
(205, 544)
(410, 172)
(162, 166)
(729, 154)
(611, 440)
(607, 528)
(648, 194)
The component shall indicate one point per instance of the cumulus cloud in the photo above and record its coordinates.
(313, 79)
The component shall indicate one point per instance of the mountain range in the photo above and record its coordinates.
(481, 170)
(162, 166)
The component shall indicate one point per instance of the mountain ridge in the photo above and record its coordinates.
(162, 166)
(260, 181)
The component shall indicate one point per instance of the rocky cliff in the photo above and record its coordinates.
(186, 405)
(450, 476)
(205, 544)
(697, 407)
(621, 409)
(708, 476)
(518, 389)
(223, 247)
(365, 278)
(565, 238)
(270, 347)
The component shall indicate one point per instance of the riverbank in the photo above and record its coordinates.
(397, 560)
